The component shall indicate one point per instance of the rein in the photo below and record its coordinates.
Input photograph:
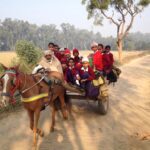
(32, 85)
(17, 84)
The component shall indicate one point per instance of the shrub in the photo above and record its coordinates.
(28, 55)
(27, 52)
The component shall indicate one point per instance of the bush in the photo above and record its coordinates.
(1, 69)
(28, 55)
(27, 52)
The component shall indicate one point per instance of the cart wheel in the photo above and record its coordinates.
(103, 105)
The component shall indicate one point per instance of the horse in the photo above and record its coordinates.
(34, 91)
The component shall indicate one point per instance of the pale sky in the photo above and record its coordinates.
(64, 11)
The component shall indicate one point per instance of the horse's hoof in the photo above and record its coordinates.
(35, 144)
(52, 129)
(65, 118)
(41, 134)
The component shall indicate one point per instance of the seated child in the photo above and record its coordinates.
(72, 73)
(77, 59)
(86, 73)
(108, 59)
(64, 67)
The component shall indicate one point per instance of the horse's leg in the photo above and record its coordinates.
(63, 106)
(31, 117)
(35, 129)
(53, 118)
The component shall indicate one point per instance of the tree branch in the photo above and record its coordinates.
(129, 26)
(110, 18)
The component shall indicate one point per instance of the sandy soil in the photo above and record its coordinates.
(123, 128)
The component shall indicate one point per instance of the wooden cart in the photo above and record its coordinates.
(103, 104)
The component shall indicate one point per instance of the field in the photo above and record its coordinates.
(7, 57)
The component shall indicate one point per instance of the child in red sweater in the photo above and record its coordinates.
(108, 60)
(86, 73)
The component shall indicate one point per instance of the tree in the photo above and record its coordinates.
(119, 12)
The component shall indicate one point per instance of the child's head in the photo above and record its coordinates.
(75, 52)
(56, 47)
(107, 48)
(51, 46)
(85, 62)
(100, 47)
(62, 51)
(63, 63)
(71, 62)
(67, 53)
(94, 46)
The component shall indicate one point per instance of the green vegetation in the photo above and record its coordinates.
(121, 13)
(28, 55)
(13, 30)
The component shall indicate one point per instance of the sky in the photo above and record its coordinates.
(64, 11)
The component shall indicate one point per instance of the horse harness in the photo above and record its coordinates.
(16, 83)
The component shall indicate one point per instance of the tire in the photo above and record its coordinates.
(103, 106)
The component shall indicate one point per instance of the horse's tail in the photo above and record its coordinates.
(71, 88)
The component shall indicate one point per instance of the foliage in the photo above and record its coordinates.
(28, 55)
(27, 52)
(68, 36)
(1, 69)
(119, 12)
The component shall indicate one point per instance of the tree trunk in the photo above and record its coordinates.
(119, 48)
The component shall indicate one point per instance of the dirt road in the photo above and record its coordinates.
(122, 128)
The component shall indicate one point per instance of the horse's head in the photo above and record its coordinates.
(9, 84)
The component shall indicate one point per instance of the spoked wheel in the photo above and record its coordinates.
(103, 105)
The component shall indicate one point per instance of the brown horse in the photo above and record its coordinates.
(30, 88)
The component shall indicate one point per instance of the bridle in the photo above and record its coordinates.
(16, 83)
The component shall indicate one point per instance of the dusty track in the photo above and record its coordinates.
(121, 129)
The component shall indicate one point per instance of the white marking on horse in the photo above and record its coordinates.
(4, 98)
(6, 78)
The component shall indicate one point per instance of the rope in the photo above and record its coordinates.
(33, 85)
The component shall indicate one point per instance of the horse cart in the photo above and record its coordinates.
(102, 104)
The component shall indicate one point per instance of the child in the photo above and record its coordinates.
(67, 54)
(72, 73)
(108, 60)
(86, 73)
(77, 59)
(64, 67)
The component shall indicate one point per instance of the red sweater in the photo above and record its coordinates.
(83, 73)
(108, 60)
(58, 55)
(97, 60)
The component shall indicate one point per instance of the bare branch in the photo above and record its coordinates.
(110, 18)
(129, 26)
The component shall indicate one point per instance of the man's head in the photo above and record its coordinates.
(48, 54)
(94, 46)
